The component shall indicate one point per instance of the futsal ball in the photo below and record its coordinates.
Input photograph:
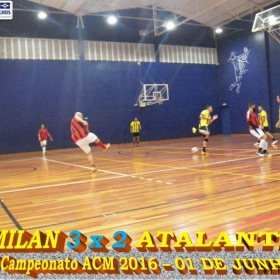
(194, 149)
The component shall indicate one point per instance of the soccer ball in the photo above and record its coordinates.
(194, 149)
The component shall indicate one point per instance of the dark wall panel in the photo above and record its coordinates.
(35, 92)
(254, 83)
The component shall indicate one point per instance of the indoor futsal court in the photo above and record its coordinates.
(154, 186)
(186, 93)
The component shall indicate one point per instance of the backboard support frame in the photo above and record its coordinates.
(152, 94)
(268, 20)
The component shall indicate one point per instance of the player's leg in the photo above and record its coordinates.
(84, 145)
(206, 133)
(134, 139)
(100, 144)
(264, 145)
(257, 144)
(270, 135)
(91, 137)
(258, 133)
(204, 146)
(137, 139)
(44, 146)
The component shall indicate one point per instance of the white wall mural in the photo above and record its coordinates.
(239, 63)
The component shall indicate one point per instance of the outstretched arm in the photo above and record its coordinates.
(213, 119)
(79, 119)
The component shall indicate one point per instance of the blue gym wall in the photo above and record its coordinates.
(273, 53)
(50, 92)
(260, 84)
(254, 84)
(35, 92)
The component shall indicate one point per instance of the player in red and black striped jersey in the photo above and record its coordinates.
(256, 129)
(82, 137)
(43, 135)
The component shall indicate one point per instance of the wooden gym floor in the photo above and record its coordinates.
(160, 185)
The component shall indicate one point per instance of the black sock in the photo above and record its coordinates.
(260, 150)
(259, 141)
(273, 139)
(204, 149)
(264, 151)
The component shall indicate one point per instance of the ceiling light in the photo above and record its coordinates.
(42, 15)
(219, 30)
(170, 25)
(112, 20)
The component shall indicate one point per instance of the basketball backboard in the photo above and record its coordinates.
(268, 20)
(152, 94)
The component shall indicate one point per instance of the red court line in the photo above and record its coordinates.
(249, 222)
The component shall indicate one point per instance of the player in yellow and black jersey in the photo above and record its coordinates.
(205, 121)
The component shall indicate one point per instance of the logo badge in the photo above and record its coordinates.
(6, 10)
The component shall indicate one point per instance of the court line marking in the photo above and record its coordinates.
(189, 199)
(10, 215)
(123, 175)
(199, 165)
(193, 169)
(186, 148)
(173, 168)
(60, 185)
(85, 167)
(184, 168)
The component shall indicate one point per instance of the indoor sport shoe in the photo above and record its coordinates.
(260, 154)
(274, 142)
(204, 153)
(194, 130)
(107, 147)
(257, 144)
(93, 169)
(267, 155)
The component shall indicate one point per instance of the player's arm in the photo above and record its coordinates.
(213, 119)
(50, 136)
(139, 126)
(249, 121)
(204, 117)
(278, 123)
(79, 119)
(262, 120)
(39, 138)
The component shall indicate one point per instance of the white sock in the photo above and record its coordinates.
(44, 149)
(262, 144)
(265, 145)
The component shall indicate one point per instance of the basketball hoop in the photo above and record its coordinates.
(159, 100)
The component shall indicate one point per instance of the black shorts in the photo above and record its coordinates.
(136, 134)
(265, 129)
(205, 128)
